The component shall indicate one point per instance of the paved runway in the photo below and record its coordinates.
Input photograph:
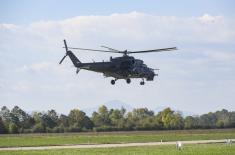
(112, 145)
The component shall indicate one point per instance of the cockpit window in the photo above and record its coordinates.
(139, 62)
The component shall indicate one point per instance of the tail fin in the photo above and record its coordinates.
(69, 53)
(73, 58)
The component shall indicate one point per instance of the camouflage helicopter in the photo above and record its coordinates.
(125, 67)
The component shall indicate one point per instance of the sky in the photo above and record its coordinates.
(197, 78)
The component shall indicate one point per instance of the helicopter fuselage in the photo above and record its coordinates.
(124, 67)
(120, 68)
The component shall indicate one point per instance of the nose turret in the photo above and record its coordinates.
(151, 75)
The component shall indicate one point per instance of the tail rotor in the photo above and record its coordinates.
(66, 54)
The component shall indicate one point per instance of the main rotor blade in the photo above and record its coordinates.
(87, 49)
(65, 44)
(155, 50)
(111, 49)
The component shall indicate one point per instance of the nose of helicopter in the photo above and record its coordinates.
(151, 75)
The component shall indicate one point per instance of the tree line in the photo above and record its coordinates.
(17, 120)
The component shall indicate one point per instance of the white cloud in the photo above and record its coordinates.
(8, 27)
(206, 18)
(37, 67)
(221, 56)
(30, 56)
(40, 67)
(134, 25)
(22, 87)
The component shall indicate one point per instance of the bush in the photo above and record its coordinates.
(38, 128)
(13, 128)
(27, 131)
(74, 129)
(59, 129)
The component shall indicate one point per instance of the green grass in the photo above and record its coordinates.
(112, 137)
(200, 149)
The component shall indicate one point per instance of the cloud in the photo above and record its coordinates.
(134, 25)
(221, 56)
(206, 18)
(42, 67)
(30, 55)
(132, 30)
(22, 87)
(11, 27)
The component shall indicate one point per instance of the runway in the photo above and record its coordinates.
(80, 146)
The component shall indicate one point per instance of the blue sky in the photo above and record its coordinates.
(26, 11)
(199, 77)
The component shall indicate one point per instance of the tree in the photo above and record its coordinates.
(39, 125)
(222, 118)
(104, 115)
(177, 121)
(232, 119)
(79, 119)
(13, 128)
(21, 118)
(96, 119)
(207, 120)
(87, 123)
(17, 120)
(50, 119)
(64, 120)
(130, 122)
(45, 121)
(2, 126)
(140, 113)
(143, 118)
(39, 128)
(191, 122)
(170, 119)
(117, 118)
(5, 114)
(147, 123)
(18, 113)
(165, 117)
(101, 118)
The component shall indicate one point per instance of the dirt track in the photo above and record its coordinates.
(112, 145)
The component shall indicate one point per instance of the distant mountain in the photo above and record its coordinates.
(117, 104)
(114, 104)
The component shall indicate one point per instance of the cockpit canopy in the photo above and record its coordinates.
(120, 59)
(138, 62)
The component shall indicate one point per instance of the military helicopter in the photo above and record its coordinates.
(125, 67)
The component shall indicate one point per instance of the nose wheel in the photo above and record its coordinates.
(113, 82)
(128, 81)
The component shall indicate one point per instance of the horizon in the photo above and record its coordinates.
(110, 105)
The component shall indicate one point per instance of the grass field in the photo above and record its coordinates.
(112, 137)
(200, 149)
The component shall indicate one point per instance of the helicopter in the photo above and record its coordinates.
(125, 67)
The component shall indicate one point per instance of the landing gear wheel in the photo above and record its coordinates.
(112, 82)
(142, 83)
(128, 81)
